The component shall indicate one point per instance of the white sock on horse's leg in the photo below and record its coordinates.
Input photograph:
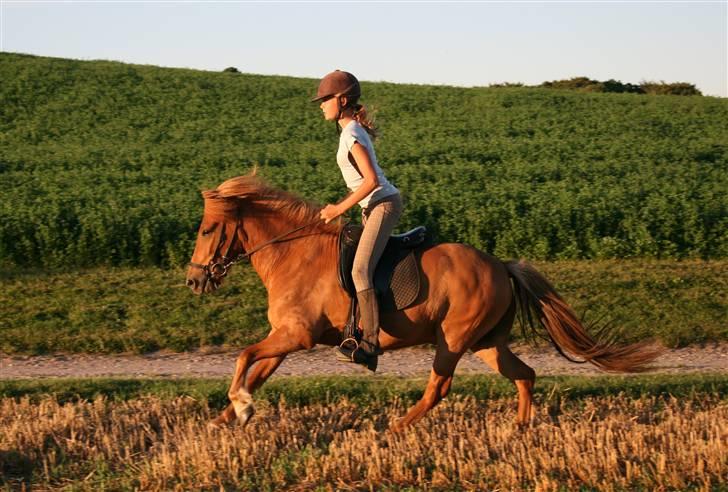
(243, 404)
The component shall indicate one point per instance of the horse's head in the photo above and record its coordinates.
(271, 216)
(218, 243)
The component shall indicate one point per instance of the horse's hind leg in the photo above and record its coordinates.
(260, 372)
(501, 359)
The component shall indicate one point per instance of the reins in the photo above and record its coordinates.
(220, 268)
(276, 239)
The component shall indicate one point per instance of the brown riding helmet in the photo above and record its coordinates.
(338, 82)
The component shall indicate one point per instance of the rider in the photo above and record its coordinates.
(380, 201)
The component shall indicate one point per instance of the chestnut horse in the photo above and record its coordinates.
(466, 301)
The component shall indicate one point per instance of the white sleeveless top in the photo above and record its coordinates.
(354, 132)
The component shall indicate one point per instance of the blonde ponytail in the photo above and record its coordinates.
(361, 116)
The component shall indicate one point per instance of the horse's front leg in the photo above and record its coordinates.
(260, 373)
(278, 343)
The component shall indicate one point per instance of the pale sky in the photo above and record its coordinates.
(452, 43)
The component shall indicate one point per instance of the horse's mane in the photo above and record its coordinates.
(251, 190)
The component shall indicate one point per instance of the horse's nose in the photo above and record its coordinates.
(191, 283)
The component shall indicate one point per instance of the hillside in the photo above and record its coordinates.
(102, 162)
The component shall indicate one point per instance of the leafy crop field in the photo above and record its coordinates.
(106, 161)
(614, 441)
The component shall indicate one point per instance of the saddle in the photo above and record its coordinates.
(397, 275)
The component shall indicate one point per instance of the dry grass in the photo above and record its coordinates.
(609, 443)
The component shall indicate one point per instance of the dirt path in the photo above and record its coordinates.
(320, 361)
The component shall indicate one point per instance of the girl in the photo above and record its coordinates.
(381, 204)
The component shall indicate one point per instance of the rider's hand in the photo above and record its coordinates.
(330, 212)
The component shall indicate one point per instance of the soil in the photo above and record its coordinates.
(411, 362)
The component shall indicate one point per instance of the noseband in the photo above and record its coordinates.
(218, 269)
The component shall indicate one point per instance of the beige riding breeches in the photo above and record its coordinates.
(379, 220)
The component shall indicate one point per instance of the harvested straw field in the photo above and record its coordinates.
(149, 443)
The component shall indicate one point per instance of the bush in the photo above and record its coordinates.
(585, 84)
(673, 89)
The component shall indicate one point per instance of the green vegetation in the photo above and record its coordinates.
(103, 162)
(144, 309)
(364, 390)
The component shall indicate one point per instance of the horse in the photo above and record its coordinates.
(468, 299)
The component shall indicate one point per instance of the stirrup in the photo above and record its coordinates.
(353, 348)
(355, 354)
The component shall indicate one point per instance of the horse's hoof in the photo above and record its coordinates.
(523, 426)
(213, 425)
(219, 423)
(397, 426)
(243, 405)
(246, 414)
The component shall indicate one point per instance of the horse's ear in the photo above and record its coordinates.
(254, 171)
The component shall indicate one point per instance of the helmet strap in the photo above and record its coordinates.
(340, 107)
(339, 112)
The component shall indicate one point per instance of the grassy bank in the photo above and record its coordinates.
(110, 310)
(365, 390)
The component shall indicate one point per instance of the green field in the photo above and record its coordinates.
(365, 390)
(102, 162)
(107, 310)
(619, 198)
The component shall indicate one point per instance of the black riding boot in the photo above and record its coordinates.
(367, 353)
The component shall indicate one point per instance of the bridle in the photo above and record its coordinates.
(218, 269)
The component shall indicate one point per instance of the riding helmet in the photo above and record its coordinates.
(338, 82)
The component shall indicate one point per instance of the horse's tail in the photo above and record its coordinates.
(536, 298)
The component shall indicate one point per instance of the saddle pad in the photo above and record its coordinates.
(396, 276)
(404, 286)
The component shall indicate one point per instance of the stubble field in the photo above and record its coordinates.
(608, 442)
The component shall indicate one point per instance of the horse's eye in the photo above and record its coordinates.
(209, 230)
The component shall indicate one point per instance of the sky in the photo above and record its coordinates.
(466, 43)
